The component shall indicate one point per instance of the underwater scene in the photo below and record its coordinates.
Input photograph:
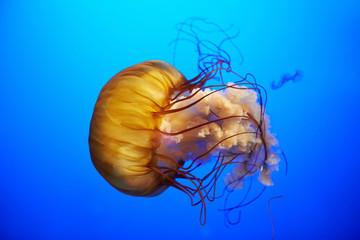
(179, 119)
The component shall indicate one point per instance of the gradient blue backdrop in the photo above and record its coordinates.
(56, 55)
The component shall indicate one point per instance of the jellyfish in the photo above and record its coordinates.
(287, 78)
(152, 128)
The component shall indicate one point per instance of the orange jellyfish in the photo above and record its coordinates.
(152, 129)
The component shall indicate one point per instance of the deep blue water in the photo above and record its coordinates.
(55, 56)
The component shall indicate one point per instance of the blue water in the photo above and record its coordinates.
(55, 56)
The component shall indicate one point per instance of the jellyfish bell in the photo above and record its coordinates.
(123, 137)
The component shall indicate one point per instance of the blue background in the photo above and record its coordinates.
(55, 57)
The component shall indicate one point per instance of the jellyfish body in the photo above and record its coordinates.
(152, 127)
(123, 137)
